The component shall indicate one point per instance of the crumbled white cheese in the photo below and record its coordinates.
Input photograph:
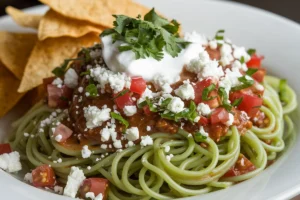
(163, 83)
(212, 69)
(58, 189)
(176, 105)
(226, 54)
(240, 52)
(203, 109)
(75, 178)
(132, 134)
(130, 110)
(213, 44)
(106, 133)
(197, 119)
(58, 138)
(28, 177)
(10, 162)
(85, 152)
(26, 134)
(99, 197)
(169, 157)
(80, 89)
(117, 144)
(259, 87)
(230, 79)
(148, 128)
(58, 82)
(185, 91)
(146, 140)
(167, 149)
(203, 132)
(71, 78)
(90, 195)
(197, 64)
(117, 81)
(239, 65)
(95, 116)
(103, 146)
(230, 120)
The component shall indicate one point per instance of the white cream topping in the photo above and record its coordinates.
(148, 68)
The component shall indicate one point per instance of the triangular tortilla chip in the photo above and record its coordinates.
(15, 49)
(50, 53)
(24, 19)
(9, 96)
(96, 11)
(55, 25)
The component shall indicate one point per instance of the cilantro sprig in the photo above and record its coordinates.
(148, 37)
(61, 70)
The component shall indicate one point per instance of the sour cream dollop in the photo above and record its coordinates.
(148, 68)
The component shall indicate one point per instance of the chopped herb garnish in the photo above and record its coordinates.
(87, 55)
(122, 93)
(148, 37)
(88, 72)
(251, 51)
(119, 118)
(237, 102)
(165, 102)
(60, 71)
(207, 91)
(251, 71)
(246, 82)
(283, 94)
(224, 98)
(220, 35)
(242, 60)
(148, 102)
(199, 137)
(92, 90)
(188, 114)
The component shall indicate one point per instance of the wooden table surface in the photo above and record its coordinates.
(286, 8)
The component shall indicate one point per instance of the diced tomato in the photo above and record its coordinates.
(124, 100)
(219, 115)
(199, 87)
(43, 176)
(203, 121)
(95, 185)
(5, 148)
(255, 61)
(259, 75)
(250, 103)
(242, 166)
(147, 110)
(58, 97)
(47, 81)
(64, 131)
(138, 85)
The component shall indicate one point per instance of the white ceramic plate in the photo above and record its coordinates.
(275, 37)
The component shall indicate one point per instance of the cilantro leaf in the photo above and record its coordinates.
(60, 71)
(148, 37)
(119, 118)
(92, 90)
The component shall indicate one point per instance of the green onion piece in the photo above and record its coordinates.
(122, 93)
(165, 102)
(88, 72)
(219, 35)
(199, 137)
(245, 83)
(237, 102)
(92, 90)
(206, 92)
(283, 94)
(251, 51)
(224, 98)
(148, 102)
(251, 71)
(119, 118)
(242, 60)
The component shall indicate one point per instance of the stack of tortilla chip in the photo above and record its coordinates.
(27, 58)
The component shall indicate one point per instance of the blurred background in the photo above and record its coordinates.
(287, 8)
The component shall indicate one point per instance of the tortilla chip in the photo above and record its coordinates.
(9, 96)
(96, 11)
(55, 25)
(15, 49)
(50, 53)
(24, 19)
